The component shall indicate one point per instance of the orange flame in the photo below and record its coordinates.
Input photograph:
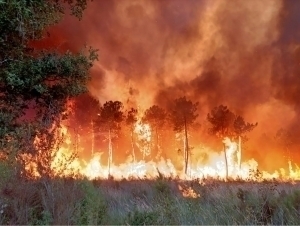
(63, 165)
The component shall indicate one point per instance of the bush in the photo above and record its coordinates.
(142, 218)
(92, 208)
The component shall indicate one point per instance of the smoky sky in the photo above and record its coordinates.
(243, 54)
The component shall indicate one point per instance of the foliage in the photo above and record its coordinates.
(130, 120)
(240, 126)
(142, 218)
(108, 122)
(138, 202)
(183, 112)
(85, 109)
(183, 115)
(225, 123)
(110, 116)
(93, 208)
(131, 117)
(156, 117)
(41, 81)
(221, 119)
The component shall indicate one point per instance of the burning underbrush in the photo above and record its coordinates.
(68, 165)
(63, 161)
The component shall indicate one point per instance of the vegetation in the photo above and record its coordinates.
(43, 82)
(131, 119)
(183, 114)
(225, 123)
(156, 117)
(240, 127)
(148, 202)
(110, 117)
(35, 81)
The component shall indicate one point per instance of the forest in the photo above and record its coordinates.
(149, 113)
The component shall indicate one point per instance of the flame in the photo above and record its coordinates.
(65, 163)
(143, 131)
(188, 192)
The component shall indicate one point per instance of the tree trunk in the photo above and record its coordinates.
(109, 152)
(186, 151)
(157, 144)
(132, 145)
(239, 154)
(93, 138)
(226, 163)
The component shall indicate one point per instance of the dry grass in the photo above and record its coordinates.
(139, 202)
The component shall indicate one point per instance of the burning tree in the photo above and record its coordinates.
(155, 116)
(240, 127)
(109, 120)
(85, 111)
(130, 120)
(221, 119)
(183, 115)
(285, 140)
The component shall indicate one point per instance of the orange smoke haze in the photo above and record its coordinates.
(243, 54)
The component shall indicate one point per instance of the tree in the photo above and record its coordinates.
(183, 115)
(221, 119)
(109, 120)
(241, 127)
(155, 117)
(130, 120)
(37, 80)
(285, 139)
(85, 109)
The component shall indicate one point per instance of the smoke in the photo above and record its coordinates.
(243, 54)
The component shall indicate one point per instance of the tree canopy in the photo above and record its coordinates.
(183, 112)
(221, 119)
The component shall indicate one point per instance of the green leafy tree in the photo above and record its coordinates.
(156, 117)
(221, 119)
(131, 119)
(41, 81)
(109, 121)
(240, 127)
(183, 115)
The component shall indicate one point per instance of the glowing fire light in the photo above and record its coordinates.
(64, 164)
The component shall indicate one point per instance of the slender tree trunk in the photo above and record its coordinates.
(76, 139)
(186, 148)
(226, 163)
(239, 154)
(109, 151)
(93, 138)
(157, 143)
(184, 151)
(132, 144)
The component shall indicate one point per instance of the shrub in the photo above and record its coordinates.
(142, 218)
(92, 208)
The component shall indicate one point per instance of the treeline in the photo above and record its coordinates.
(110, 120)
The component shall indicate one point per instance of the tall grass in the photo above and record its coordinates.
(147, 202)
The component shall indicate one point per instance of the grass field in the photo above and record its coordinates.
(139, 202)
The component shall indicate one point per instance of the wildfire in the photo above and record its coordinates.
(65, 163)
(188, 192)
